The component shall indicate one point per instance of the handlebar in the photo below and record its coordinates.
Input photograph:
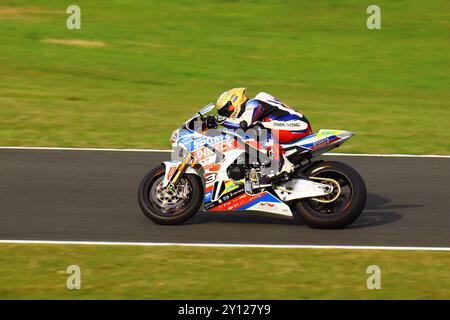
(208, 122)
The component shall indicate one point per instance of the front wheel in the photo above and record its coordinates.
(173, 205)
(342, 206)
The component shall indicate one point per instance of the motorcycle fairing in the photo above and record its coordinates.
(229, 187)
(223, 194)
(322, 141)
(238, 200)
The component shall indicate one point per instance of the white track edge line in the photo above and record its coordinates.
(162, 150)
(224, 245)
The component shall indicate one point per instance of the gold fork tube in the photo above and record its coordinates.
(181, 168)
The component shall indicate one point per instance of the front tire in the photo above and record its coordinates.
(169, 206)
(346, 207)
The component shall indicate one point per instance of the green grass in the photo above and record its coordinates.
(162, 60)
(39, 272)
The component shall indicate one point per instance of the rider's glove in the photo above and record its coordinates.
(211, 122)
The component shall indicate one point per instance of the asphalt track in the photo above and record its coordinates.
(91, 196)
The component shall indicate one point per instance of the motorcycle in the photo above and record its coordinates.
(214, 169)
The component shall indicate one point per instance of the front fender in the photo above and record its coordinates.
(171, 168)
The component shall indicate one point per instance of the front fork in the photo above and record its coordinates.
(175, 170)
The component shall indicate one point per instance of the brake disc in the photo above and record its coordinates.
(171, 195)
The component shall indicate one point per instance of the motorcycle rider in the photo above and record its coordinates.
(286, 125)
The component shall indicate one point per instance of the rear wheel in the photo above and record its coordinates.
(339, 208)
(169, 205)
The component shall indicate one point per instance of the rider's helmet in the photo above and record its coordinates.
(230, 102)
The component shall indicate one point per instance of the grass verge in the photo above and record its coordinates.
(136, 70)
(132, 272)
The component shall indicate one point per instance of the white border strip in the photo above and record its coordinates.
(223, 245)
(162, 150)
(82, 149)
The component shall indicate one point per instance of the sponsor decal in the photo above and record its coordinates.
(324, 142)
(198, 143)
(230, 186)
(287, 125)
(205, 152)
(320, 143)
(238, 202)
(210, 178)
(266, 204)
(226, 200)
(322, 133)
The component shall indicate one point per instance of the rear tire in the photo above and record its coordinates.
(342, 211)
(155, 209)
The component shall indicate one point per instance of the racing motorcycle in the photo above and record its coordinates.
(214, 169)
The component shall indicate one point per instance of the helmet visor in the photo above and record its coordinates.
(227, 110)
